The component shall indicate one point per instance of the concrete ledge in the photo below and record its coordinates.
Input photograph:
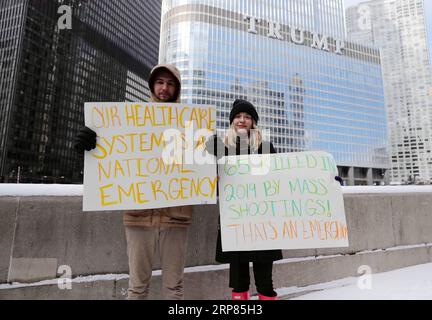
(213, 284)
(309, 272)
(56, 227)
(412, 221)
(8, 212)
(32, 270)
(98, 290)
(94, 243)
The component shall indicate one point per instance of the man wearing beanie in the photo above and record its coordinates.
(151, 230)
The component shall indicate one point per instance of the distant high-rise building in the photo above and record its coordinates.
(398, 28)
(313, 89)
(428, 9)
(47, 73)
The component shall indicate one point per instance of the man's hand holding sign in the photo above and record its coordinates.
(146, 157)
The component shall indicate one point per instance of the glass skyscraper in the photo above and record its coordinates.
(399, 29)
(48, 73)
(313, 89)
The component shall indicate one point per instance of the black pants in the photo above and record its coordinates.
(240, 278)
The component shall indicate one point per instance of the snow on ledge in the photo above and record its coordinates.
(71, 190)
(28, 190)
(387, 189)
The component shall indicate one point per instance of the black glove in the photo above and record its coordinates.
(337, 178)
(85, 140)
(215, 146)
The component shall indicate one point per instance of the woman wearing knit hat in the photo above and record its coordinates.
(244, 137)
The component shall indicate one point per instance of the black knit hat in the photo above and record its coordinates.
(243, 106)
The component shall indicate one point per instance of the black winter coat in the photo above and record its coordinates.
(246, 256)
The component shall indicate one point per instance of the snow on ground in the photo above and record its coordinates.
(25, 190)
(411, 283)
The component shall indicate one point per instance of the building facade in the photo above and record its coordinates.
(398, 28)
(47, 73)
(313, 89)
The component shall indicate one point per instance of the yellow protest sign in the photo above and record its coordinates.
(148, 155)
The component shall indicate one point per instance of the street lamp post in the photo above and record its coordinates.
(18, 174)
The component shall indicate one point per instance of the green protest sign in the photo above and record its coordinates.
(281, 201)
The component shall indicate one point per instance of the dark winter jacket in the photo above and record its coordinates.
(246, 256)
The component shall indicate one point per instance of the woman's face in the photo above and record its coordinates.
(243, 123)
